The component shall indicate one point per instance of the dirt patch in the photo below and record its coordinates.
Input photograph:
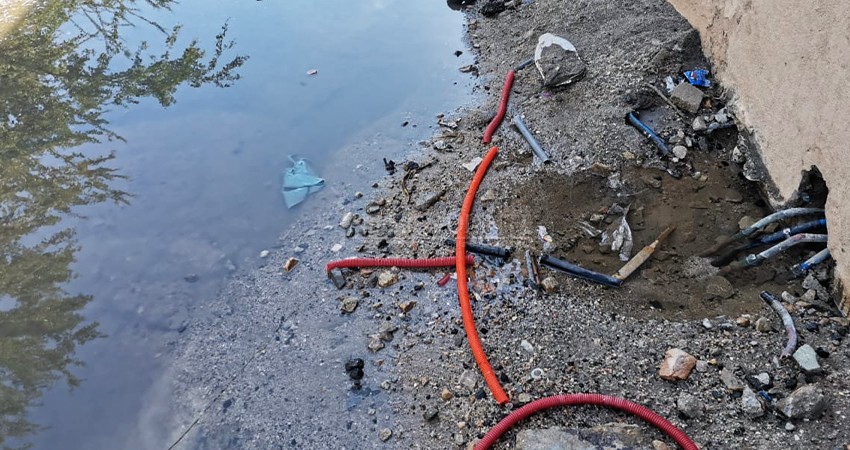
(673, 283)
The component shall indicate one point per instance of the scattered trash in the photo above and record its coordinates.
(290, 264)
(643, 255)
(526, 133)
(698, 77)
(490, 250)
(473, 164)
(557, 61)
(632, 118)
(312, 72)
(580, 272)
(298, 182)
(791, 345)
(589, 229)
(619, 236)
(549, 245)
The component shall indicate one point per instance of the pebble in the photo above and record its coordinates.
(346, 220)
(677, 365)
(468, 378)
(375, 343)
(348, 304)
(764, 325)
(527, 346)
(337, 278)
(405, 307)
(290, 264)
(550, 285)
(660, 445)
(358, 195)
(746, 222)
(373, 209)
(264, 254)
(807, 402)
(690, 406)
(751, 404)
(446, 395)
(699, 124)
(732, 383)
(763, 378)
(706, 323)
(524, 397)
(743, 321)
(807, 359)
(680, 151)
(537, 373)
(718, 287)
(430, 414)
(789, 426)
(387, 278)
(336, 248)
(721, 116)
(385, 434)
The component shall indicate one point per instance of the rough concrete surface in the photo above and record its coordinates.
(788, 63)
(264, 364)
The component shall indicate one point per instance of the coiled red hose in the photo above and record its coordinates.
(463, 288)
(586, 399)
(419, 263)
(503, 107)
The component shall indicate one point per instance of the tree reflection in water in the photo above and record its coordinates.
(56, 87)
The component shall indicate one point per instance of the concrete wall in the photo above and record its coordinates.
(788, 63)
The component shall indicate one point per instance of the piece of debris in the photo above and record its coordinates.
(807, 402)
(405, 307)
(549, 245)
(473, 164)
(643, 255)
(699, 124)
(698, 77)
(290, 264)
(718, 288)
(446, 395)
(385, 434)
(557, 61)
(348, 304)
(532, 141)
(375, 343)
(764, 325)
(346, 220)
(492, 8)
(264, 254)
(336, 248)
(680, 151)
(312, 72)
(430, 199)
(677, 365)
(632, 118)
(550, 285)
(298, 182)
(730, 381)
(354, 368)
(337, 278)
(692, 407)
(468, 68)
(687, 97)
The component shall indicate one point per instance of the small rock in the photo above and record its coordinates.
(732, 383)
(527, 346)
(763, 378)
(430, 199)
(550, 439)
(721, 117)
(751, 404)
(290, 264)
(348, 304)
(354, 368)
(764, 325)
(440, 144)
(738, 156)
(336, 248)
(446, 395)
(706, 323)
(373, 209)
(405, 307)
(375, 343)
(489, 196)
(719, 288)
(687, 97)
(430, 414)
(550, 285)
(524, 397)
(690, 406)
(191, 278)
(264, 254)
(387, 278)
(492, 8)
(660, 445)
(677, 365)
(743, 321)
(346, 220)
(680, 151)
(807, 402)
(699, 124)
(807, 359)
(349, 233)
(468, 68)
(337, 278)
(385, 434)
(358, 195)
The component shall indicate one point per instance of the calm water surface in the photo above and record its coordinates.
(139, 167)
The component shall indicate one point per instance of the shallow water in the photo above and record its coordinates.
(195, 191)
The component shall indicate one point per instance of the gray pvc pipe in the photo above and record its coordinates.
(526, 133)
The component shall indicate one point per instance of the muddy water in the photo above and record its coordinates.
(104, 254)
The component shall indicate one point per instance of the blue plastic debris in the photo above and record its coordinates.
(698, 77)
(298, 182)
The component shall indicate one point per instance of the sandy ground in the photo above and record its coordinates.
(263, 365)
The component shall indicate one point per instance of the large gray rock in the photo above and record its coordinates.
(687, 97)
(718, 288)
(807, 402)
(557, 61)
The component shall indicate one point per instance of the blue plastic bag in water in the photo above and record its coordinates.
(698, 77)
(298, 182)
